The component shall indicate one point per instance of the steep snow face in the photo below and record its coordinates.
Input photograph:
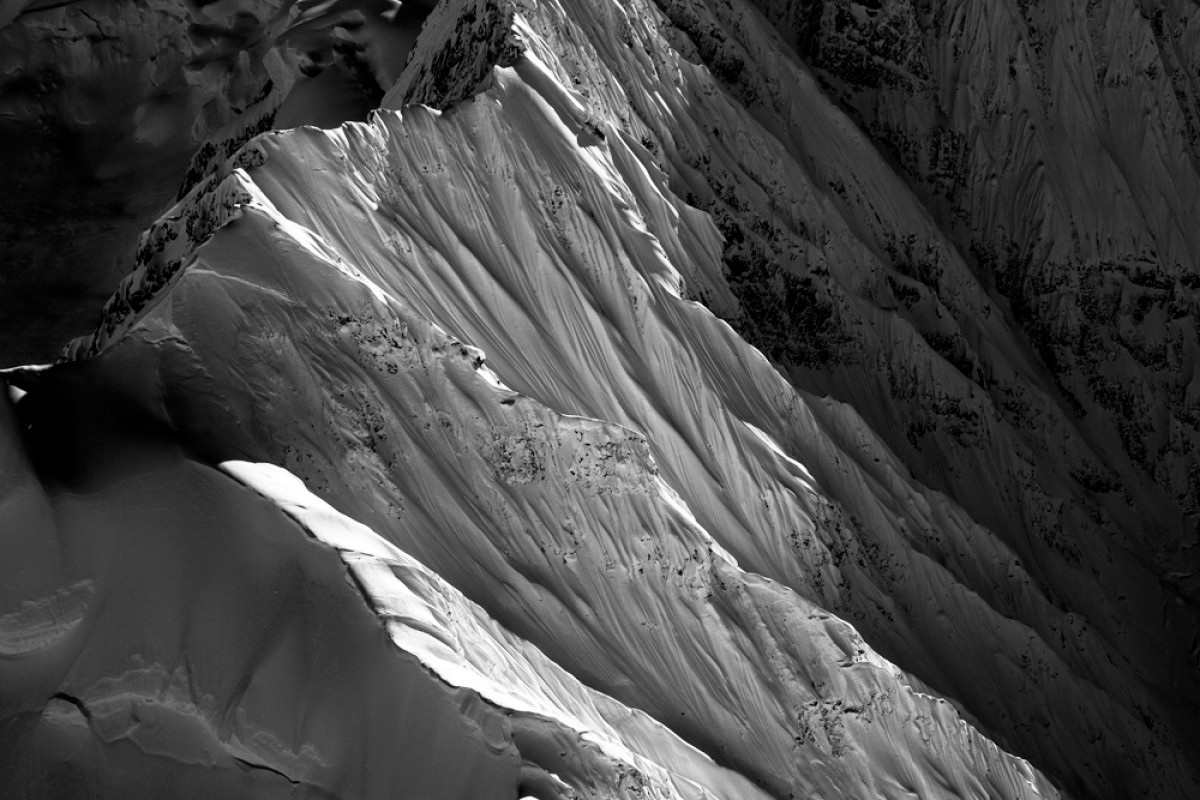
(658, 562)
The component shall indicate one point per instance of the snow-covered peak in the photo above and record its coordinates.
(648, 410)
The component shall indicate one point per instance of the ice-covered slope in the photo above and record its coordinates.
(673, 565)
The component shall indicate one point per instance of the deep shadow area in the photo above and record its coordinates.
(89, 160)
(67, 235)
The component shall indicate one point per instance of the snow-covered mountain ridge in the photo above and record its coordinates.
(660, 521)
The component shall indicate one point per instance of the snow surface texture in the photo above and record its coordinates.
(625, 555)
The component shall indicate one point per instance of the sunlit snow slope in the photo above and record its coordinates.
(438, 456)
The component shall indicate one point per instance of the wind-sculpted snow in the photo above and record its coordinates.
(465, 647)
(562, 526)
(829, 531)
(837, 272)
(448, 240)
(561, 523)
(611, 547)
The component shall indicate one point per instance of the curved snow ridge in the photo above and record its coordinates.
(168, 246)
(368, 472)
(461, 644)
(40, 623)
(520, 224)
(606, 573)
(433, 243)
(549, 489)
(552, 37)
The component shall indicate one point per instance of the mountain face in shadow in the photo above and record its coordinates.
(107, 108)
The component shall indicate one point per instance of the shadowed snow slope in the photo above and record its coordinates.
(197, 643)
(495, 359)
